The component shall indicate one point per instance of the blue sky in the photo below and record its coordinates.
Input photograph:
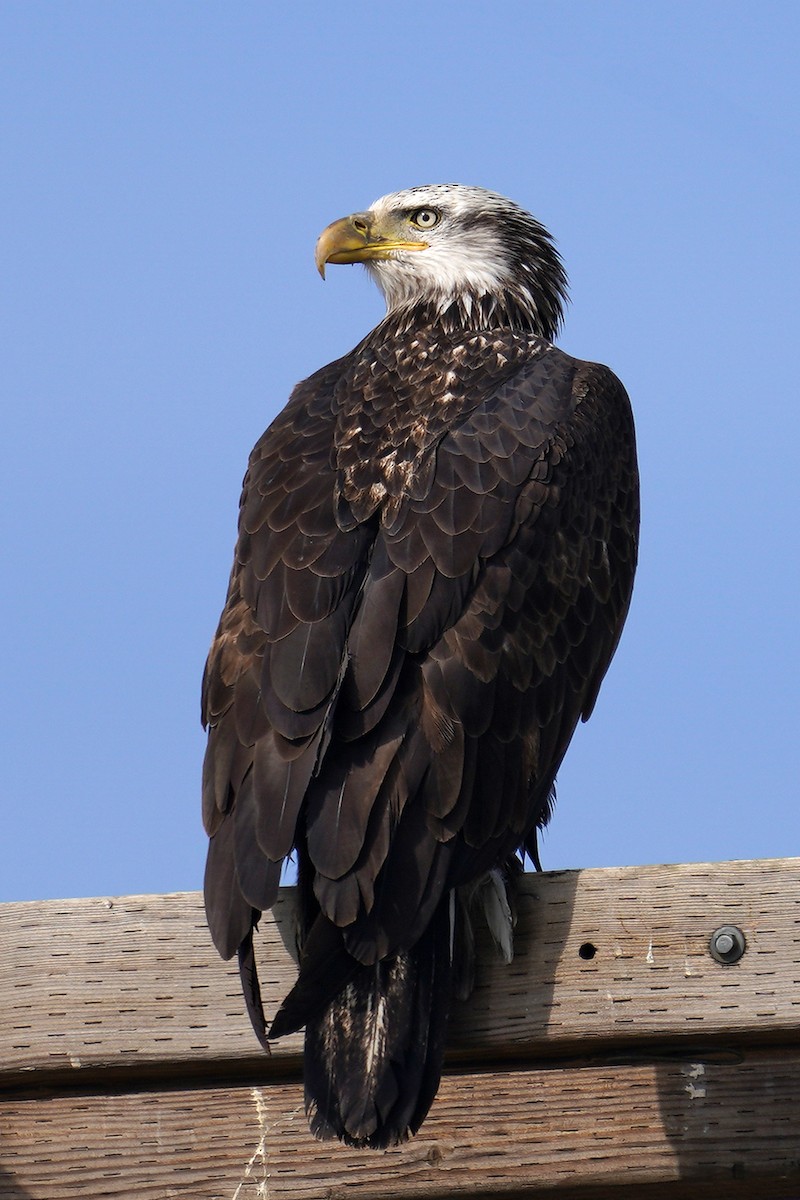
(167, 168)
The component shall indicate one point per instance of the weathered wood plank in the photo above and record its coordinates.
(128, 981)
(709, 1127)
(111, 984)
(614, 1127)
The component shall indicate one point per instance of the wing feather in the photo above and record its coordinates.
(257, 876)
(281, 774)
(341, 799)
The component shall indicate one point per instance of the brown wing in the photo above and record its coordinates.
(294, 579)
(526, 659)
(395, 700)
(518, 568)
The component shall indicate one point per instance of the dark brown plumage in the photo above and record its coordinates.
(436, 551)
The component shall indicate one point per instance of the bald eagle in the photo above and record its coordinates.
(436, 551)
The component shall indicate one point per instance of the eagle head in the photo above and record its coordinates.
(462, 251)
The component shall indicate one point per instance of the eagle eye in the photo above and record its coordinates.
(425, 218)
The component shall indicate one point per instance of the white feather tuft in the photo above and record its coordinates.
(492, 895)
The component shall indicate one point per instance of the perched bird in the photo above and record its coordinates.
(437, 544)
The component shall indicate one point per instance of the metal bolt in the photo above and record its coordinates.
(727, 944)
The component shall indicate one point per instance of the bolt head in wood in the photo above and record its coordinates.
(727, 944)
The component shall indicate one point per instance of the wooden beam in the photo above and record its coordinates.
(614, 1057)
(134, 981)
(730, 1124)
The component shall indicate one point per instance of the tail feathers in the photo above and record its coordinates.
(373, 1058)
(251, 989)
(325, 968)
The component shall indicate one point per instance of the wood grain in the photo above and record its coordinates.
(613, 1058)
(703, 1127)
(104, 983)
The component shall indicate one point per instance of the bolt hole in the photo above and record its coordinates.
(587, 951)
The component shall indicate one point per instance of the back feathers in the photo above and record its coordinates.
(436, 552)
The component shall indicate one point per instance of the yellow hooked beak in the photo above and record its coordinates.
(359, 238)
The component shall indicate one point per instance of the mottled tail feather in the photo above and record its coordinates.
(373, 1058)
